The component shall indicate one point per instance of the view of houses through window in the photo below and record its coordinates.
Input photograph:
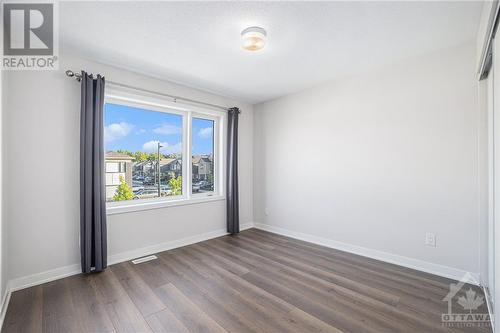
(202, 160)
(144, 153)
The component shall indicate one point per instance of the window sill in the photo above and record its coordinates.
(135, 207)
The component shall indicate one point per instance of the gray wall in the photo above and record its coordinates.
(42, 124)
(3, 238)
(485, 149)
(483, 178)
(378, 160)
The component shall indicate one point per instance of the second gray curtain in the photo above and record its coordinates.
(232, 199)
(93, 243)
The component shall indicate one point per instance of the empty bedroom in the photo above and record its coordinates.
(243, 166)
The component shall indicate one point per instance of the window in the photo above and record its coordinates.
(146, 142)
(202, 159)
(143, 153)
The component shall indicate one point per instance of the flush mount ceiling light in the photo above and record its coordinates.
(253, 38)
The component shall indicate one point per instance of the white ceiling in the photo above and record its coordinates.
(198, 43)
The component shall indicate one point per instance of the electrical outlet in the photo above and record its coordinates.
(266, 211)
(430, 239)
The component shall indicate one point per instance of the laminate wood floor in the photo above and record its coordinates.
(254, 282)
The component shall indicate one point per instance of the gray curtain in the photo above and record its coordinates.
(232, 200)
(93, 244)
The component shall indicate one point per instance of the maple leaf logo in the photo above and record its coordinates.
(470, 301)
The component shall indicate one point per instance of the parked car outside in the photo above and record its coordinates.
(145, 194)
(136, 189)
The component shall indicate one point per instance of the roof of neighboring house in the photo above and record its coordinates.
(198, 159)
(113, 155)
(163, 162)
(141, 163)
(167, 161)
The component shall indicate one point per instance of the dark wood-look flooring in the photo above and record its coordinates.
(254, 282)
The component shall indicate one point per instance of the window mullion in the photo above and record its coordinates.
(187, 179)
(215, 157)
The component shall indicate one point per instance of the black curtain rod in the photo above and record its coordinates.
(78, 77)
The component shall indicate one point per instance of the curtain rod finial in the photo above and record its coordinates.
(77, 76)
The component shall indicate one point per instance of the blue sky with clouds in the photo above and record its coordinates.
(138, 129)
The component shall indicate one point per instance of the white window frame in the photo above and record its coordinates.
(153, 102)
(216, 153)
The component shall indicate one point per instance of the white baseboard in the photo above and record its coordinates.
(487, 295)
(420, 265)
(62, 272)
(43, 277)
(3, 305)
(146, 251)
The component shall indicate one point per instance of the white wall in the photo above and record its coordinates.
(485, 154)
(482, 29)
(3, 238)
(41, 164)
(378, 160)
(483, 178)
